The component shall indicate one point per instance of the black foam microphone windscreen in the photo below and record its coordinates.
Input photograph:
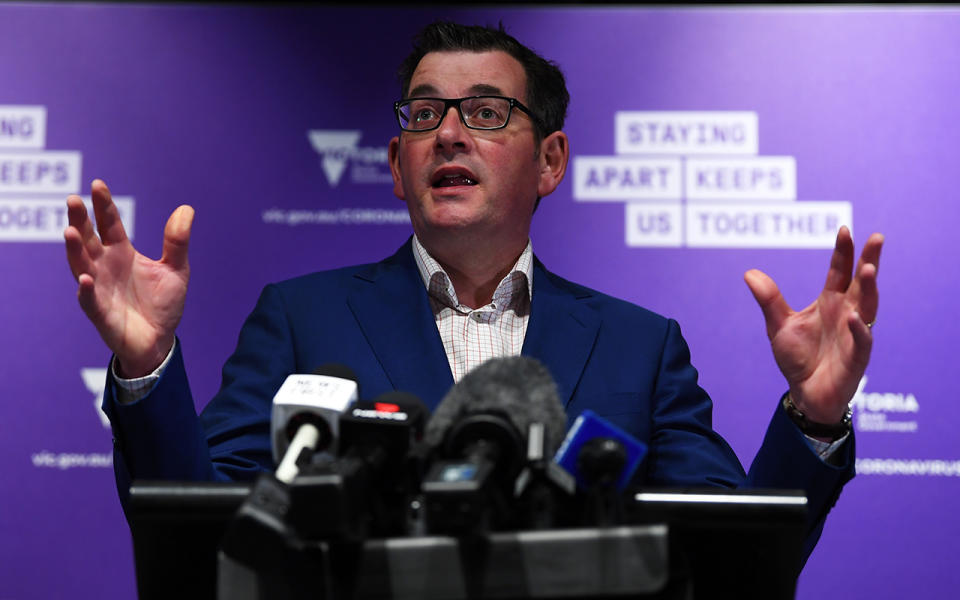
(517, 387)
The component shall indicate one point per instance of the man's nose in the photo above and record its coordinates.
(452, 133)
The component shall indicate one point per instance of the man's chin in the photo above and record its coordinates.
(453, 218)
(457, 223)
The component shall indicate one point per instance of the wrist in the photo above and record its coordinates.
(823, 411)
(134, 367)
(824, 431)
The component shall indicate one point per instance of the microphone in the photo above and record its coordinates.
(602, 458)
(479, 435)
(544, 490)
(305, 417)
(519, 387)
(367, 488)
(597, 452)
(306, 414)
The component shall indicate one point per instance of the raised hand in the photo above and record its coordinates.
(134, 302)
(824, 349)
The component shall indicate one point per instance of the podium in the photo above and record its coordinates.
(674, 544)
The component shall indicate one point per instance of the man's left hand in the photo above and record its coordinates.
(824, 349)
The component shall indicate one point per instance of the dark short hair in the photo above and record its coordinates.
(547, 94)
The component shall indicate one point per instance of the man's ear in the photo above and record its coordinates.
(554, 154)
(393, 152)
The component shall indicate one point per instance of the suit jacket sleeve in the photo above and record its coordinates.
(161, 437)
(685, 449)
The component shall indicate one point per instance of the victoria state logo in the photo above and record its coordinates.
(95, 381)
(339, 149)
(884, 411)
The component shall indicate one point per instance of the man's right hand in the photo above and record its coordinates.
(134, 302)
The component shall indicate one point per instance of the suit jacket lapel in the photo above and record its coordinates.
(390, 304)
(562, 330)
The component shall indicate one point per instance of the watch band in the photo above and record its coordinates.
(812, 428)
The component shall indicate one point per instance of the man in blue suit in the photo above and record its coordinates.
(481, 143)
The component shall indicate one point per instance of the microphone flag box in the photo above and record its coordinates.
(590, 426)
(317, 399)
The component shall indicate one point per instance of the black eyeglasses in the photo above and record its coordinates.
(476, 112)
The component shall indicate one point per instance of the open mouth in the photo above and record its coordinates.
(453, 179)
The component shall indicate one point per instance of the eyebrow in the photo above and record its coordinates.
(486, 89)
(479, 89)
(422, 90)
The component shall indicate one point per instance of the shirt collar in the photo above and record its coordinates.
(438, 283)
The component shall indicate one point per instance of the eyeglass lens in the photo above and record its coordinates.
(482, 112)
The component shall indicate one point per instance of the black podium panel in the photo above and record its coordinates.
(730, 543)
(676, 544)
(614, 562)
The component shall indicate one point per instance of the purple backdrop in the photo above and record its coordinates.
(819, 115)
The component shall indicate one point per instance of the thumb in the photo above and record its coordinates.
(176, 237)
(767, 294)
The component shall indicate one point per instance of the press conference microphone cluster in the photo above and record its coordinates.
(492, 457)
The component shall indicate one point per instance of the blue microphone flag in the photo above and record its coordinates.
(589, 426)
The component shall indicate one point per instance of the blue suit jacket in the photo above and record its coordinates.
(628, 364)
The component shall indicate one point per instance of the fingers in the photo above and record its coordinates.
(860, 285)
(77, 256)
(862, 338)
(870, 255)
(83, 248)
(176, 237)
(841, 262)
(863, 291)
(86, 295)
(108, 217)
(109, 227)
(78, 218)
(871, 250)
(767, 294)
(82, 243)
